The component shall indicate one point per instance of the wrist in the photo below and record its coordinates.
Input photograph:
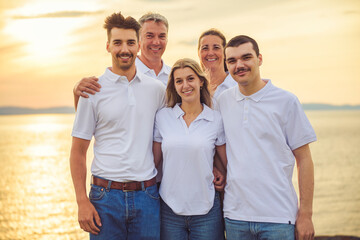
(305, 213)
(81, 200)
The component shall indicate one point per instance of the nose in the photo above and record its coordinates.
(239, 64)
(124, 48)
(156, 40)
(185, 84)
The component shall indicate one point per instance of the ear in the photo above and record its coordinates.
(107, 46)
(260, 59)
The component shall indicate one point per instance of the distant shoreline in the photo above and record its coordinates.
(9, 110)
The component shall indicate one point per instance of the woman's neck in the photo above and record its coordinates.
(191, 110)
(216, 78)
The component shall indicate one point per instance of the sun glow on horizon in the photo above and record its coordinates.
(46, 31)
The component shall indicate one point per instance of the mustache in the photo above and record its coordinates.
(242, 69)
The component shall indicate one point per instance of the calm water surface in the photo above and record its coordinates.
(37, 199)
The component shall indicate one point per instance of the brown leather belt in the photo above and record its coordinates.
(125, 186)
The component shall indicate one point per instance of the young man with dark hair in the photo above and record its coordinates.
(124, 201)
(267, 131)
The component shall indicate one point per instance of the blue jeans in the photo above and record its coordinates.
(131, 215)
(195, 227)
(239, 230)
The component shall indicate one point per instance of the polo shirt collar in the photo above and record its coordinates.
(206, 114)
(144, 69)
(113, 77)
(256, 96)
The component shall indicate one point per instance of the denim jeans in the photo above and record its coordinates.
(236, 230)
(131, 215)
(196, 227)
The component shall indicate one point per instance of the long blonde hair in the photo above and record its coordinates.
(171, 95)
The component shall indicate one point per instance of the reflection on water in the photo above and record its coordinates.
(37, 199)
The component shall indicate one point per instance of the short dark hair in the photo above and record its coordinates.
(117, 20)
(241, 39)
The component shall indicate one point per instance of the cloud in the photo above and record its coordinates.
(61, 14)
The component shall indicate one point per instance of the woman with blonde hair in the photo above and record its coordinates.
(187, 133)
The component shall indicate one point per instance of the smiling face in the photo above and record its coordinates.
(243, 64)
(187, 85)
(153, 40)
(211, 52)
(123, 46)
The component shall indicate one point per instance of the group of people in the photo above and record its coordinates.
(167, 138)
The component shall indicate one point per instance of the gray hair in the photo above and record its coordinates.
(156, 17)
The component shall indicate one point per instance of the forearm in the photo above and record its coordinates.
(157, 153)
(219, 165)
(305, 169)
(220, 159)
(306, 186)
(78, 172)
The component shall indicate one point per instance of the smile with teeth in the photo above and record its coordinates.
(155, 49)
(211, 59)
(188, 92)
(124, 56)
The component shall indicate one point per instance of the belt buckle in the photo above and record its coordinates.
(124, 190)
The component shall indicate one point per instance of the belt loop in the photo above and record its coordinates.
(143, 186)
(109, 185)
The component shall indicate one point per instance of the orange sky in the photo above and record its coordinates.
(310, 48)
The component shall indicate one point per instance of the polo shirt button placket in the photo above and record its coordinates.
(246, 111)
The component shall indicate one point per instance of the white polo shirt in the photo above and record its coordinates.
(121, 119)
(163, 75)
(188, 154)
(261, 132)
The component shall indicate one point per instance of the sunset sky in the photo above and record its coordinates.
(309, 47)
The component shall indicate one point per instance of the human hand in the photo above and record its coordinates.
(87, 85)
(86, 215)
(304, 228)
(219, 180)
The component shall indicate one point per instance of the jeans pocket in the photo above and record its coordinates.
(96, 193)
(153, 192)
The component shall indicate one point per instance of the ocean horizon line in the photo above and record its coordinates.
(18, 110)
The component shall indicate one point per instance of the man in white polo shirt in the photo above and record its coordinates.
(267, 131)
(124, 201)
(153, 41)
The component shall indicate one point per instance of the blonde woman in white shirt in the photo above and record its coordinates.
(187, 134)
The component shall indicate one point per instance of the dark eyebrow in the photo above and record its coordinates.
(247, 55)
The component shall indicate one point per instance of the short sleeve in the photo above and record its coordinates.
(85, 121)
(221, 140)
(299, 131)
(157, 136)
